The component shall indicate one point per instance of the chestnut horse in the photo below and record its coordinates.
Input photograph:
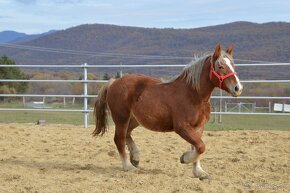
(181, 105)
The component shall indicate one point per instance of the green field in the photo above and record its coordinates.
(229, 122)
(251, 122)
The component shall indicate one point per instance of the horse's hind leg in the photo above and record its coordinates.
(120, 141)
(133, 149)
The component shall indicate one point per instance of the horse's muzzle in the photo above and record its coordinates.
(237, 90)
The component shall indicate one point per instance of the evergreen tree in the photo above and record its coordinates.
(106, 76)
(11, 73)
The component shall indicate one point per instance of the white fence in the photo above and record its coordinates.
(85, 82)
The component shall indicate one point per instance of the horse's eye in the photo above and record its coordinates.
(221, 67)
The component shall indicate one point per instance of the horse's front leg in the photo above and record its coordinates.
(199, 172)
(193, 156)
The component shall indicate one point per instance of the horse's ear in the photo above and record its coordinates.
(230, 49)
(217, 52)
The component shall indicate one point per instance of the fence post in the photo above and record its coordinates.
(64, 102)
(85, 95)
(121, 71)
(226, 107)
(23, 101)
(221, 103)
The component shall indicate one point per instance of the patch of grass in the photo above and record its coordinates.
(11, 105)
(51, 105)
(251, 122)
(74, 118)
(229, 122)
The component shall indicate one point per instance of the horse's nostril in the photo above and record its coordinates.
(237, 88)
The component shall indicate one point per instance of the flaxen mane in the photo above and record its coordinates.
(191, 73)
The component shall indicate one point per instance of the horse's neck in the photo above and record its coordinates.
(206, 87)
(203, 94)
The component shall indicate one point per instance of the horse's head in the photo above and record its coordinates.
(222, 72)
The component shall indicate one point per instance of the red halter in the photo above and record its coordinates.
(221, 78)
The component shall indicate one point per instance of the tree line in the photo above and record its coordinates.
(11, 73)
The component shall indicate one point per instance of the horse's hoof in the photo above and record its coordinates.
(205, 177)
(130, 168)
(182, 159)
(135, 163)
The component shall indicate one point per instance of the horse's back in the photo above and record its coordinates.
(124, 91)
(142, 97)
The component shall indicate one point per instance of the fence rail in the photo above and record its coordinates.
(93, 96)
(130, 66)
(98, 81)
(85, 82)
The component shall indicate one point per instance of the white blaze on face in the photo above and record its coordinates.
(228, 63)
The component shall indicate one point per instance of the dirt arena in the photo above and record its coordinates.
(65, 158)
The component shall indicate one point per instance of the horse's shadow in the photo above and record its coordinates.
(66, 166)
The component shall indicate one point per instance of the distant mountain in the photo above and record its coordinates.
(265, 42)
(17, 37)
(8, 36)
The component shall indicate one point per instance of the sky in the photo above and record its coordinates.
(38, 16)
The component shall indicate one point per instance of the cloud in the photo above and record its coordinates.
(68, 1)
(5, 17)
(26, 1)
(35, 16)
(50, 1)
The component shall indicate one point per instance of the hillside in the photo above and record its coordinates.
(266, 42)
(17, 37)
(8, 36)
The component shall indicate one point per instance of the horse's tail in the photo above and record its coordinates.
(100, 111)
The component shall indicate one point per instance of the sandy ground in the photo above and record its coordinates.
(65, 158)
